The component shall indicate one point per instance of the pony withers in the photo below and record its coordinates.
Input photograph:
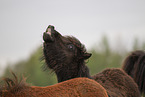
(66, 56)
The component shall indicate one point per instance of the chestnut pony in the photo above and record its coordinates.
(78, 87)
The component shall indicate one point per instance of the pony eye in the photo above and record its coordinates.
(71, 46)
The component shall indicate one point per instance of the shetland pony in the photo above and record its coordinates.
(78, 87)
(66, 56)
(134, 65)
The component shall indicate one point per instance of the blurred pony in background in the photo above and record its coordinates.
(134, 65)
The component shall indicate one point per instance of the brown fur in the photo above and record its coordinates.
(134, 65)
(78, 87)
(117, 83)
(66, 57)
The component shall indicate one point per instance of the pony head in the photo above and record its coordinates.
(62, 51)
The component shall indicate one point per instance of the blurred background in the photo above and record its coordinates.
(110, 30)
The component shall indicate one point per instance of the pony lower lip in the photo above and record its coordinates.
(47, 37)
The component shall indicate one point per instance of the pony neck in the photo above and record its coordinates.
(70, 72)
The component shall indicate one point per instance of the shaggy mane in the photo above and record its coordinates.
(13, 85)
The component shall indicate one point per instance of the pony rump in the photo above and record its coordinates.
(140, 73)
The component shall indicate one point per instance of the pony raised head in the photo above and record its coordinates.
(65, 55)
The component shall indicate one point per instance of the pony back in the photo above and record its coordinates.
(77, 87)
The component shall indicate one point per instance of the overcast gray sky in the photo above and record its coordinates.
(22, 23)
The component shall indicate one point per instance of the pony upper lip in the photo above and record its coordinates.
(48, 31)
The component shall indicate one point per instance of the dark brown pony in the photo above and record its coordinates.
(78, 87)
(134, 65)
(66, 56)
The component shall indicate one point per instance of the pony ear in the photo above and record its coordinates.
(87, 55)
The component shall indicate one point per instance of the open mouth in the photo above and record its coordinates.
(49, 35)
